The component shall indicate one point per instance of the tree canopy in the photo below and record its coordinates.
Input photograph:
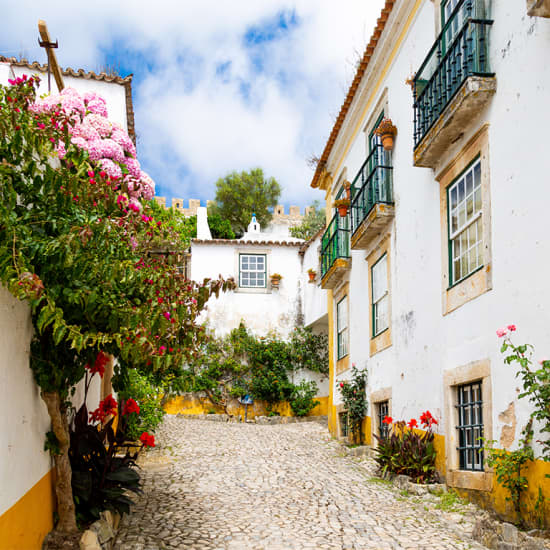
(313, 222)
(239, 195)
(79, 242)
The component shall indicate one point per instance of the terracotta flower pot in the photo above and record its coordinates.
(343, 210)
(387, 141)
(275, 282)
(311, 276)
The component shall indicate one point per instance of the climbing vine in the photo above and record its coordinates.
(354, 395)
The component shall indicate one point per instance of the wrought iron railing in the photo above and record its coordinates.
(461, 50)
(372, 185)
(335, 242)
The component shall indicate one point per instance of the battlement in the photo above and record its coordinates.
(294, 213)
(178, 204)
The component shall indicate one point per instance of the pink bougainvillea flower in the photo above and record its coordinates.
(135, 205)
(502, 332)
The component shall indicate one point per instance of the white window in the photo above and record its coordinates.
(465, 229)
(252, 272)
(342, 327)
(380, 296)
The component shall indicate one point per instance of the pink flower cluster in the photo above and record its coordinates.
(107, 143)
(505, 330)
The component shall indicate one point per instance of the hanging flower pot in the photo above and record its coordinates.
(312, 274)
(343, 206)
(387, 132)
(275, 280)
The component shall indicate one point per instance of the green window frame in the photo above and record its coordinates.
(252, 270)
(464, 224)
(342, 327)
(380, 296)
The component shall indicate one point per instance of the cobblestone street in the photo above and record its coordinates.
(212, 485)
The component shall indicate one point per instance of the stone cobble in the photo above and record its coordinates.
(231, 486)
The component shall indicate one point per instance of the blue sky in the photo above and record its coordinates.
(217, 86)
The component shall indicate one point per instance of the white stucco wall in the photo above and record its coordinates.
(315, 297)
(426, 343)
(25, 420)
(263, 310)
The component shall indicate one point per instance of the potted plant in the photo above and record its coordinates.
(343, 206)
(312, 274)
(387, 131)
(275, 280)
(347, 187)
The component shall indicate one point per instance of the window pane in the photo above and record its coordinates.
(469, 183)
(379, 279)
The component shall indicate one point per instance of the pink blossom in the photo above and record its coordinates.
(511, 328)
(60, 149)
(135, 205)
(95, 104)
(133, 167)
(121, 201)
(133, 242)
(124, 140)
(99, 123)
(145, 218)
(502, 332)
(110, 168)
(167, 315)
(148, 186)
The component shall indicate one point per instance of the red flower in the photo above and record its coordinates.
(412, 423)
(427, 419)
(106, 407)
(387, 420)
(99, 365)
(341, 384)
(148, 440)
(511, 328)
(130, 407)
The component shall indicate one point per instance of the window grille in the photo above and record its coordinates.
(383, 411)
(470, 426)
(343, 416)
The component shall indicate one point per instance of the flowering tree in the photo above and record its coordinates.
(80, 245)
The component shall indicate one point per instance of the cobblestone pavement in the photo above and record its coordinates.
(212, 485)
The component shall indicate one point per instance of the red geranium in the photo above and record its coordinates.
(387, 420)
(148, 440)
(99, 365)
(130, 407)
(106, 407)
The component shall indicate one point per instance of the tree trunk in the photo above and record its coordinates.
(63, 473)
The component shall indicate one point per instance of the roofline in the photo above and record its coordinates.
(88, 75)
(246, 243)
(369, 52)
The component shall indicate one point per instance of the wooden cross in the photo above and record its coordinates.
(53, 66)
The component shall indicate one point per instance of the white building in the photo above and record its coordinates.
(25, 468)
(447, 235)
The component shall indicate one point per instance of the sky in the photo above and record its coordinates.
(218, 86)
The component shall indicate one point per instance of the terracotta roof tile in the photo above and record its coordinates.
(369, 50)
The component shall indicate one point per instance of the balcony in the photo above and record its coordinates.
(335, 252)
(372, 203)
(454, 83)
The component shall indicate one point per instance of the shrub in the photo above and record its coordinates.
(302, 398)
(149, 398)
(355, 401)
(406, 451)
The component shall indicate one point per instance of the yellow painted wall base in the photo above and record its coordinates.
(30, 519)
(192, 404)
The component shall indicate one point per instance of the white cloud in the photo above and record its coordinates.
(193, 126)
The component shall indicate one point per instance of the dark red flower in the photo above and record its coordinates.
(99, 365)
(130, 407)
(106, 407)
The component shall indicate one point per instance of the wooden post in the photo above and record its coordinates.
(52, 59)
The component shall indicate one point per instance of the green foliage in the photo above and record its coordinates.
(536, 386)
(220, 228)
(185, 227)
(312, 223)
(142, 388)
(355, 401)
(508, 466)
(406, 452)
(241, 364)
(52, 444)
(238, 196)
(302, 398)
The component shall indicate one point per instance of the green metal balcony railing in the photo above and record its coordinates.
(461, 50)
(335, 242)
(372, 185)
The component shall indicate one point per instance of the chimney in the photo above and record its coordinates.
(203, 231)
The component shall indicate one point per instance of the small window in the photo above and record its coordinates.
(252, 272)
(380, 296)
(465, 227)
(383, 411)
(470, 426)
(342, 327)
(343, 417)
